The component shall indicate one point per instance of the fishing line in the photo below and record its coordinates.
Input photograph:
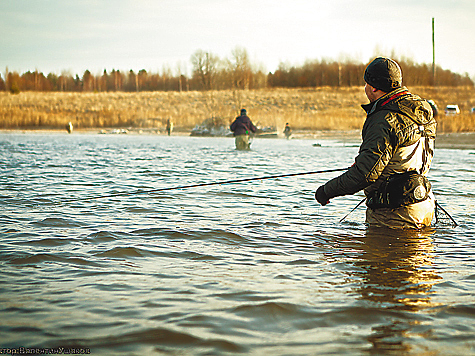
(361, 202)
(202, 185)
(437, 218)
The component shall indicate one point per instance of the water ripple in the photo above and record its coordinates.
(251, 268)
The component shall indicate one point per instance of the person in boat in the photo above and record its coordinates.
(395, 155)
(242, 127)
(287, 131)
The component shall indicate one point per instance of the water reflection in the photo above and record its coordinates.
(395, 274)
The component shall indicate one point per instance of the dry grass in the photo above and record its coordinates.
(304, 109)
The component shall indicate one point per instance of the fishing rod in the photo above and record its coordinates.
(113, 195)
(437, 205)
(361, 202)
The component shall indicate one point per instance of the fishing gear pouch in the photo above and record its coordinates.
(400, 189)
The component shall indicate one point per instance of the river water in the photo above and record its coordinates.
(254, 268)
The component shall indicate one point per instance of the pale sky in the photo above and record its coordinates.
(75, 35)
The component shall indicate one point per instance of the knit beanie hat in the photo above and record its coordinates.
(383, 74)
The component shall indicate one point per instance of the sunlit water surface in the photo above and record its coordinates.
(249, 268)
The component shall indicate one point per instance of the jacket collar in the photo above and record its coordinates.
(384, 100)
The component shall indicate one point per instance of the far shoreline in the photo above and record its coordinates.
(452, 140)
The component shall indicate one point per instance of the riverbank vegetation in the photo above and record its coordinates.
(318, 95)
(210, 72)
(322, 108)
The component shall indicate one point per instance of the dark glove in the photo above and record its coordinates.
(320, 196)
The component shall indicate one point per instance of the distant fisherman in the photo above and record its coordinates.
(287, 131)
(242, 128)
(169, 127)
(395, 156)
(69, 127)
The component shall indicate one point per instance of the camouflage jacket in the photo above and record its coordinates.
(398, 136)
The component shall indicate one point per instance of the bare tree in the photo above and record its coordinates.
(88, 81)
(241, 68)
(6, 79)
(205, 67)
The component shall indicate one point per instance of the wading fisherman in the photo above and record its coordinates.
(169, 127)
(395, 155)
(69, 127)
(242, 128)
(287, 131)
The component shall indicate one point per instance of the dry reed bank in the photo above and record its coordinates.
(305, 109)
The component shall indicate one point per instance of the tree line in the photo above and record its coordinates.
(209, 72)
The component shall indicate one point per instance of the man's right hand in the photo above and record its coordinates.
(321, 197)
